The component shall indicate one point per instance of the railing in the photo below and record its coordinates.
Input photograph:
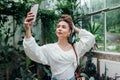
(107, 55)
(111, 61)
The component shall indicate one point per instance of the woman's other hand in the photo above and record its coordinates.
(76, 29)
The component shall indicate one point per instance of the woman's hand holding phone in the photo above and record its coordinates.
(28, 24)
(28, 20)
(31, 16)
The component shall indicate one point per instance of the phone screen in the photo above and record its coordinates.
(34, 10)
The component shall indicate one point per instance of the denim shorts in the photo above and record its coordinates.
(73, 78)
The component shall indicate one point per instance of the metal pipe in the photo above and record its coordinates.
(104, 26)
(103, 10)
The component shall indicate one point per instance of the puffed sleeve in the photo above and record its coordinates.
(34, 52)
(86, 42)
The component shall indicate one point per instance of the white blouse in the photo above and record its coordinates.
(62, 63)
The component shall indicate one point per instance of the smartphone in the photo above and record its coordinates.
(72, 37)
(34, 10)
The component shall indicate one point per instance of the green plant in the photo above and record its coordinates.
(94, 28)
(89, 71)
(27, 75)
(73, 8)
(48, 19)
(12, 53)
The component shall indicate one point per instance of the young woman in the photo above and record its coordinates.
(60, 56)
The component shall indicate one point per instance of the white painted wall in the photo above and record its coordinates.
(113, 67)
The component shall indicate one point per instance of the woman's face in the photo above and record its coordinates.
(63, 30)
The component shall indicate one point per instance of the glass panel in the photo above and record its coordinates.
(98, 25)
(113, 30)
(112, 3)
(97, 4)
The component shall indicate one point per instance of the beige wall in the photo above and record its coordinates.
(111, 60)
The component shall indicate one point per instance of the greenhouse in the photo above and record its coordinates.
(99, 17)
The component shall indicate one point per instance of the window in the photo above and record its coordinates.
(108, 34)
